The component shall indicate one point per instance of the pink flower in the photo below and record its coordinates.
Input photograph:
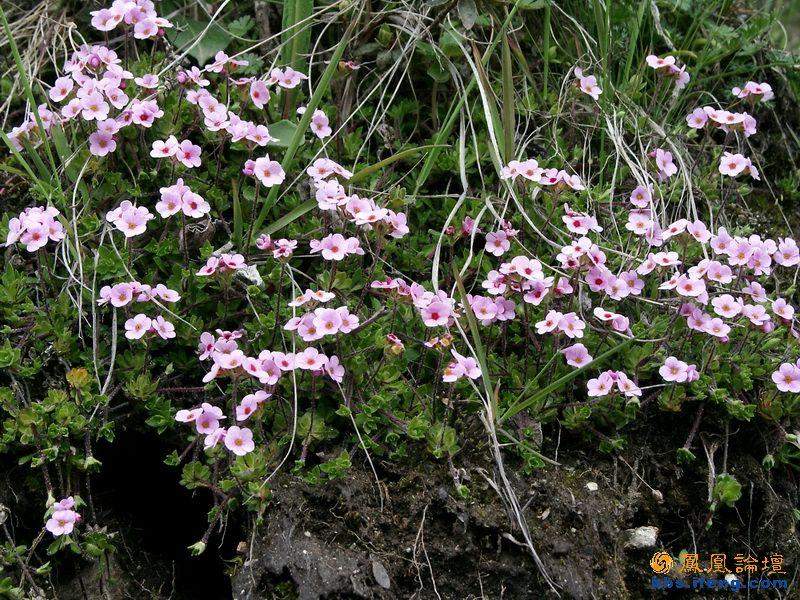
(101, 143)
(288, 78)
(188, 416)
(334, 369)
(163, 328)
(62, 522)
(144, 29)
(588, 84)
(94, 107)
(188, 154)
(660, 63)
(259, 93)
(626, 386)
(751, 88)
(129, 219)
(193, 205)
(170, 203)
(783, 309)
(214, 438)
(269, 172)
(148, 81)
(327, 321)
(697, 119)
(692, 288)
(699, 231)
(67, 503)
(239, 440)
(571, 325)
(121, 294)
(726, 306)
(436, 313)
(497, 243)
(549, 323)
(462, 367)
(641, 196)
(600, 386)
(208, 420)
(787, 378)
(137, 327)
(311, 359)
(674, 370)
(319, 124)
(166, 148)
(247, 407)
(717, 328)
(349, 321)
(732, 164)
(105, 19)
(787, 253)
(61, 89)
(577, 355)
(666, 168)
(284, 248)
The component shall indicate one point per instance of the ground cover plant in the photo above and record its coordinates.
(332, 279)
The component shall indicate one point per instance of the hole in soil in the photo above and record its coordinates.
(159, 517)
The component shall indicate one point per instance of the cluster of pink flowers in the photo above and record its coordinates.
(336, 247)
(282, 248)
(569, 324)
(331, 196)
(734, 165)
(218, 117)
(677, 371)
(206, 419)
(228, 359)
(490, 310)
(321, 322)
(140, 325)
(179, 198)
(754, 91)
(529, 169)
(224, 263)
(619, 323)
(587, 84)
(63, 518)
(668, 68)
(722, 119)
(184, 152)
(462, 366)
(94, 83)
(320, 296)
(122, 294)
(286, 78)
(34, 227)
(140, 14)
(131, 220)
(604, 384)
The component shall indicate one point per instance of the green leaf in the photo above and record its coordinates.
(283, 131)
(206, 45)
(727, 490)
(468, 13)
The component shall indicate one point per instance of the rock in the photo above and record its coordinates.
(380, 573)
(640, 537)
(591, 486)
(561, 548)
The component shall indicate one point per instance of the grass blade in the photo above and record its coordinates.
(297, 138)
(561, 382)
